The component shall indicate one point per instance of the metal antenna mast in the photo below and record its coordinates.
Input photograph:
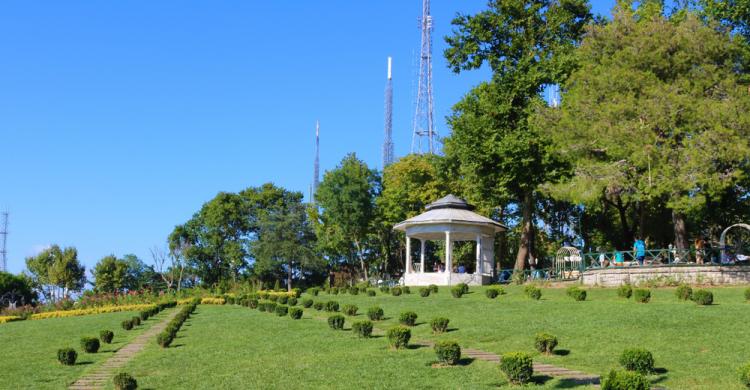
(4, 234)
(316, 167)
(388, 141)
(423, 135)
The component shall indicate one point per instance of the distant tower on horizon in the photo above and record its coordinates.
(423, 135)
(3, 249)
(388, 141)
(316, 166)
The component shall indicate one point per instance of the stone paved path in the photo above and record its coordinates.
(104, 373)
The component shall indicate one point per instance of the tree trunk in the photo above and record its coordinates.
(289, 277)
(527, 231)
(627, 231)
(680, 231)
(361, 260)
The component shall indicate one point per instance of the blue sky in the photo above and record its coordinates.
(118, 120)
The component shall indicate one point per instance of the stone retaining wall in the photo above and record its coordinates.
(710, 274)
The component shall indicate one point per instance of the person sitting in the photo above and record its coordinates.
(619, 259)
(461, 269)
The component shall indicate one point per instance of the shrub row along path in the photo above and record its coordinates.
(104, 373)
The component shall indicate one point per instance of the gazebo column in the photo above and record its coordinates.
(408, 255)
(421, 257)
(478, 270)
(448, 253)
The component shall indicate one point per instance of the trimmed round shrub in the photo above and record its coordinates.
(433, 288)
(642, 295)
(533, 292)
(335, 290)
(164, 339)
(625, 380)
(491, 293)
(350, 310)
(744, 375)
(297, 292)
(457, 291)
(408, 318)
(123, 381)
(336, 321)
(144, 315)
(332, 306)
(273, 297)
(396, 291)
(295, 313)
(136, 321)
(282, 310)
(448, 352)
(424, 292)
(684, 292)
(439, 324)
(625, 291)
(314, 291)
(90, 344)
(703, 297)
(517, 366)
(353, 290)
(464, 287)
(67, 356)
(576, 293)
(271, 307)
(545, 343)
(406, 290)
(292, 301)
(637, 359)
(106, 336)
(375, 313)
(282, 300)
(319, 306)
(362, 328)
(747, 294)
(306, 303)
(252, 303)
(371, 293)
(398, 337)
(385, 289)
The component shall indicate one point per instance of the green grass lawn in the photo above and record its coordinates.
(29, 348)
(236, 347)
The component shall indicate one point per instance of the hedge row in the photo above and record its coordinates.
(165, 338)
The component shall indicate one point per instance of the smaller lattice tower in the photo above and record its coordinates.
(4, 238)
(316, 165)
(423, 133)
(388, 140)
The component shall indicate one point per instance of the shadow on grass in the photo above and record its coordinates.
(561, 352)
(84, 363)
(177, 346)
(415, 346)
(540, 379)
(569, 383)
(465, 361)
(451, 330)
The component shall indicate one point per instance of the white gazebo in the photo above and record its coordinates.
(450, 219)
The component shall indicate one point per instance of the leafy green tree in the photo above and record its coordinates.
(501, 158)
(733, 14)
(346, 197)
(656, 115)
(111, 275)
(16, 290)
(57, 272)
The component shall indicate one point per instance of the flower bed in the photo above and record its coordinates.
(96, 310)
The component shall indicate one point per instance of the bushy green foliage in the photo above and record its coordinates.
(319, 306)
(164, 339)
(408, 318)
(353, 290)
(67, 356)
(371, 293)
(295, 313)
(271, 307)
(375, 313)
(493, 291)
(406, 290)
(144, 315)
(517, 366)
(424, 292)
(106, 336)
(464, 287)
(396, 291)
(637, 359)
(136, 321)
(292, 301)
(625, 291)
(306, 303)
(273, 298)
(362, 328)
(332, 306)
(457, 291)
(448, 352)
(533, 292)
(90, 344)
(350, 310)
(642, 295)
(282, 300)
(123, 381)
(398, 337)
(336, 321)
(747, 294)
(703, 297)
(744, 374)
(385, 289)
(625, 380)
(684, 292)
(334, 291)
(576, 293)
(252, 303)
(545, 343)
(439, 324)
(314, 291)
(433, 288)
(297, 292)
(282, 310)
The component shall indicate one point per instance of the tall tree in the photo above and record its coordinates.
(656, 114)
(16, 289)
(57, 272)
(346, 197)
(110, 275)
(527, 44)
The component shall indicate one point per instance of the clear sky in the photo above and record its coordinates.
(118, 120)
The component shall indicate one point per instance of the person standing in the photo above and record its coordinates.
(639, 247)
(700, 250)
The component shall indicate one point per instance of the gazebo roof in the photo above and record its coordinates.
(450, 210)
